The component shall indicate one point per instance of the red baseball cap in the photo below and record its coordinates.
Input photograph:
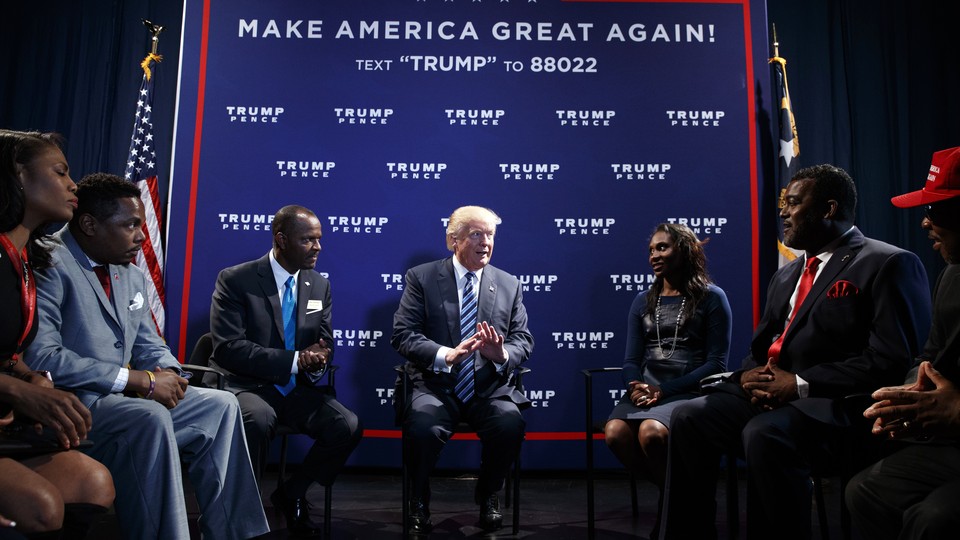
(943, 181)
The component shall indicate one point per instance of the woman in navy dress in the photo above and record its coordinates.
(678, 332)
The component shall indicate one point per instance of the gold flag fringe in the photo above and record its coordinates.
(146, 63)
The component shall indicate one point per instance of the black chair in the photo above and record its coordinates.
(284, 432)
(855, 454)
(200, 362)
(462, 431)
(594, 426)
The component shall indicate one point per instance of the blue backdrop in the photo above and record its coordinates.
(583, 124)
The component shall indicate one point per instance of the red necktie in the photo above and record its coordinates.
(806, 283)
(103, 274)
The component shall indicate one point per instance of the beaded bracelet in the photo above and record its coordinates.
(153, 384)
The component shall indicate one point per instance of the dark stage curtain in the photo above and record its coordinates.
(73, 66)
(873, 86)
(874, 89)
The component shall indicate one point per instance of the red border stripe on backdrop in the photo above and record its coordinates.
(751, 136)
(656, 1)
(194, 178)
(754, 177)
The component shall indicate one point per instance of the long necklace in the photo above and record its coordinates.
(676, 331)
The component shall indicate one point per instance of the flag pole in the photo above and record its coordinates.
(141, 169)
(789, 147)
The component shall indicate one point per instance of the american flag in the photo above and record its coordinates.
(789, 147)
(142, 170)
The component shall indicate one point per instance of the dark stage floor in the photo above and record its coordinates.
(366, 505)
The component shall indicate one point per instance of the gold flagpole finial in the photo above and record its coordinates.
(154, 30)
(776, 44)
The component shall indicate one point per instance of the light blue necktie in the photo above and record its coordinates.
(468, 327)
(289, 309)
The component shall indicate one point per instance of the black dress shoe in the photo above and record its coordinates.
(297, 513)
(419, 516)
(490, 517)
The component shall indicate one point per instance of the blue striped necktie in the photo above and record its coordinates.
(288, 307)
(468, 327)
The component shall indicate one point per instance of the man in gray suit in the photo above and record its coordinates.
(462, 327)
(270, 320)
(97, 336)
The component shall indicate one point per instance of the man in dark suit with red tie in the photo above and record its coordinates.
(462, 327)
(270, 322)
(843, 325)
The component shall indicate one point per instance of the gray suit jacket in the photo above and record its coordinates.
(429, 317)
(246, 323)
(84, 348)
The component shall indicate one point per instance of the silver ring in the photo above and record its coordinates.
(906, 424)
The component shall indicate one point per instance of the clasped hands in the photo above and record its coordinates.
(61, 411)
(643, 394)
(768, 386)
(929, 406)
(168, 389)
(315, 357)
(487, 340)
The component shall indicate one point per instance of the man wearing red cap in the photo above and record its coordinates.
(913, 493)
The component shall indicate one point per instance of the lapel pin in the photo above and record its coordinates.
(307, 283)
(491, 288)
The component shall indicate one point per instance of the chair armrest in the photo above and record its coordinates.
(590, 426)
(194, 368)
(590, 371)
(330, 373)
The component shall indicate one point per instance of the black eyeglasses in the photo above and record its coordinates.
(929, 212)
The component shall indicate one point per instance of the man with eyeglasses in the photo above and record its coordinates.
(462, 327)
(913, 493)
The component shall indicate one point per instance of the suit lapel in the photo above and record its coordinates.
(486, 299)
(842, 256)
(486, 295)
(268, 285)
(785, 291)
(304, 290)
(447, 284)
(83, 266)
(121, 299)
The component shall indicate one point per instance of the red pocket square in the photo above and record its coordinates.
(842, 288)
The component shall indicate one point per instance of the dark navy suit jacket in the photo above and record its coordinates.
(429, 317)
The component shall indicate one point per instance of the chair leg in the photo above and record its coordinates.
(283, 462)
(634, 504)
(327, 510)
(733, 496)
(844, 511)
(821, 508)
(405, 483)
(516, 495)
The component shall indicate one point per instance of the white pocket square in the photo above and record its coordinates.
(136, 303)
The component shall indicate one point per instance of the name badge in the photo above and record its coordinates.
(314, 306)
